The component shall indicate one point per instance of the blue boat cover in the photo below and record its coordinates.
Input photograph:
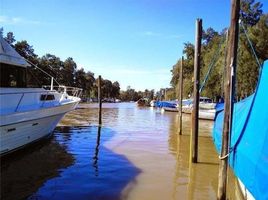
(249, 138)
(166, 104)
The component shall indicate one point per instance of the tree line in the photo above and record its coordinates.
(214, 52)
(66, 73)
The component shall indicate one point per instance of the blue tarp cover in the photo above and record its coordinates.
(166, 104)
(249, 138)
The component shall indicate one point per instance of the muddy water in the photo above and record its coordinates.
(136, 154)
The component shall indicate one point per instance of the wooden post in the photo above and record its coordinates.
(100, 99)
(181, 96)
(195, 111)
(229, 97)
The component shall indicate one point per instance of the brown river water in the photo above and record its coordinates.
(135, 155)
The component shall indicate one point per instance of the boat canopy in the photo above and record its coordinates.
(9, 56)
(249, 138)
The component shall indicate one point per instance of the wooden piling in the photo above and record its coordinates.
(181, 96)
(229, 91)
(195, 111)
(99, 99)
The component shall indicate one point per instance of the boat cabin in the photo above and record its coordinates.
(12, 76)
(13, 67)
(205, 100)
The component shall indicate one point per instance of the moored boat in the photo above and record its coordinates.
(143, 102)
(206, 108)
(28, 114)
(249, 138)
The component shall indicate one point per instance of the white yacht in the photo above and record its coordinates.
(28, 114)
(206, 108)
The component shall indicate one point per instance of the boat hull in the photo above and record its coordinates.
(31, 127)
(167, 109)
(203, 114)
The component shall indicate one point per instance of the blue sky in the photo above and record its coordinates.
(135, 42)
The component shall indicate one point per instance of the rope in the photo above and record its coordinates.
(224, 62)
(212, 64)
(250, 43)
(234, 146)
(225, 156)
(42, 71)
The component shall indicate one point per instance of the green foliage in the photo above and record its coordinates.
(250, 12)
(132, 95)
(256, 24)
(10, 38)
(65, 72)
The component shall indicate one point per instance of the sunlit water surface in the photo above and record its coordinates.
(136, 154)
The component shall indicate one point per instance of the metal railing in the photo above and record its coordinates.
(71, 91)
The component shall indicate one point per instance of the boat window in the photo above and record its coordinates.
(47, 97)
(205, 100)
(12, 76)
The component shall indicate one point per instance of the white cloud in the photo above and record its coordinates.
(150, 33)
(17, 21)
(174, 36)
(156, 34)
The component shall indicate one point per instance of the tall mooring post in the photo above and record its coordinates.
(195, 111)
(99, 99)
(229, 90)
(181, 96)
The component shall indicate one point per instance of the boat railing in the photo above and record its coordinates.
(71, 91)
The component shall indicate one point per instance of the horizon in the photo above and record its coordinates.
(133, 42)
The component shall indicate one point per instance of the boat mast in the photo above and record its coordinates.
(229, 87)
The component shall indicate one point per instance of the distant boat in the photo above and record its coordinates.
(143, 102)
(206, 108)
(28, 114)
(153, 103)
(248, 154)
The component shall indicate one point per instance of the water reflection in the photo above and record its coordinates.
(74, 164)
(192, 181)
(95, 158)
(97, 172)
(23, 172)
(136, 154)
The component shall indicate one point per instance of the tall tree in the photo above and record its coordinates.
(250, 12)
(68, 71)
(10, 38)
(115, 90)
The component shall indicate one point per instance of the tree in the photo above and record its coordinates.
(68, 71)
(259, 37)
(208, 35)
(250, 12)
(10, 38)
(26, 51)
(115, 90)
